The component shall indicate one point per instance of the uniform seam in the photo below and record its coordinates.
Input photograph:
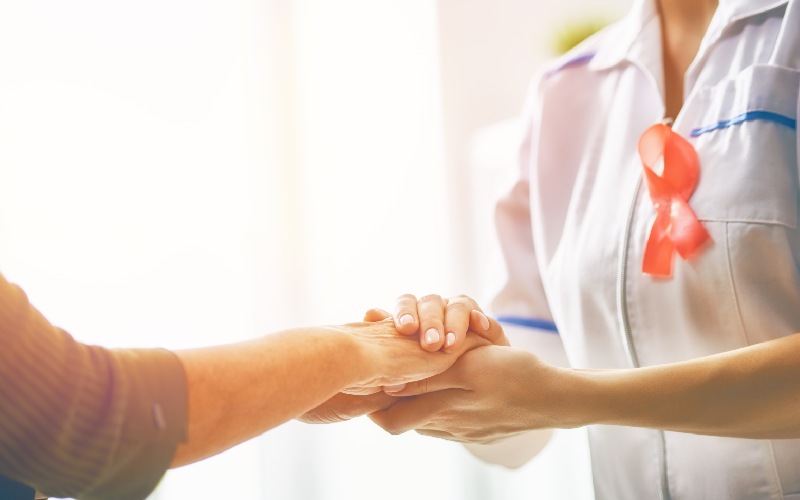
(775, 469)
(747, 339)
(733, 285)
(763, 222)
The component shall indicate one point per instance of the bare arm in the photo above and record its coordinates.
(239, 391)
(494, 392)
(752, 392)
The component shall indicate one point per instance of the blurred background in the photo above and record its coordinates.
(190, 172)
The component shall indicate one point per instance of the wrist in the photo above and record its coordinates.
(610, 397)
(354, 354)
(363, 358)
(589, 396)
(552, 397)
(577, 397)
(340, 354)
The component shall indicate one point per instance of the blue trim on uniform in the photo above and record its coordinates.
(746, 117)
(571, 63)
(539, 324)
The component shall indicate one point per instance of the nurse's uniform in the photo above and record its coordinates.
(574, 227)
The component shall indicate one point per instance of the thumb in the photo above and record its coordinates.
(487, 327)
(451, 379)
(375, 315)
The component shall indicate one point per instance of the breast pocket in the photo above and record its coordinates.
(745, 133)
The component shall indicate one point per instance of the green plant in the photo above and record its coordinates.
(574, 33)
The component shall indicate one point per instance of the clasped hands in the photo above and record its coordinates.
(462, 383)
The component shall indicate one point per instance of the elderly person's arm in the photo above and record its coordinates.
(238, 391)
(92, 423)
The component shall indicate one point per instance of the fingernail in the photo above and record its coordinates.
(394, 388)
(450, 339)
(406, 319)
(484, 320)
(431, 336)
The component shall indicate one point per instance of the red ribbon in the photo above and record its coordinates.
(676, 227)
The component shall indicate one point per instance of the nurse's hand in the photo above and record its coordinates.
(343, 407)
(490, 393)
(443, 323)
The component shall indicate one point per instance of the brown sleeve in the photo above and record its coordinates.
(83, 421)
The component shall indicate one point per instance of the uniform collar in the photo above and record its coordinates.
(623, 35)
(632, 37)
(735, 10)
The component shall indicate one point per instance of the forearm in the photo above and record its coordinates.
(239, 391)
(752, 392)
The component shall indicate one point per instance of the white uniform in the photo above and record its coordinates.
(574, 227)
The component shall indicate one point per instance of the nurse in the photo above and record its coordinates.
(665, 258)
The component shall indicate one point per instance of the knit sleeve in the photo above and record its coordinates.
(83, 421)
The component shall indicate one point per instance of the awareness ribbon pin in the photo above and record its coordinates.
(676, 227)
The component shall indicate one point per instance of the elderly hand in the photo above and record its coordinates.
(490, 393)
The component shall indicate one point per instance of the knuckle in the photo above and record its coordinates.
(465, 300)
(379, 418)
(391, 427)
(431, 298)
(340, 415)
(458, 307)
(407, 297)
